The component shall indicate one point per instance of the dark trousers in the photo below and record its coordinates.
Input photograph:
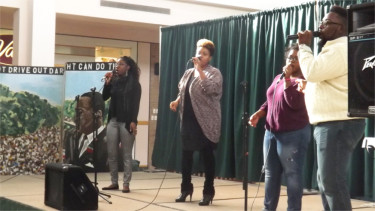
(209, 170)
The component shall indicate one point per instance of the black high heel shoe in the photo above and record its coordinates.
(206, 200)
(183, 195)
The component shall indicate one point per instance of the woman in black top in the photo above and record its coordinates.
(125, 92)
(198, 100)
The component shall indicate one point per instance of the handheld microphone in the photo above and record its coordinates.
(244, 85)
(295, 36)
(74, 101)
(197, 55)
(282, 76)
(114, 72)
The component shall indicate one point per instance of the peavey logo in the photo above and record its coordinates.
(369, 63)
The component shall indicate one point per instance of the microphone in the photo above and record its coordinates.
(114, 72)
(75, 100)
(244, 84)
(197, 55)
(295, 36)
(281, 77)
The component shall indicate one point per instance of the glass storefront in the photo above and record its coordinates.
(88, 49)
(75, 49)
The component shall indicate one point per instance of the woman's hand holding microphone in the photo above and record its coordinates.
(197, 62)
(108, 77)
(174, 104)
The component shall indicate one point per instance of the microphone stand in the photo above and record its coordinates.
(245, 117)
(75, 148)
(95, 139)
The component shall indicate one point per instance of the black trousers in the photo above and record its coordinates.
(209, 170)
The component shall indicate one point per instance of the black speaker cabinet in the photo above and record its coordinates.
(361, 67)
(361, 18)
(67, 187)
(361, 60)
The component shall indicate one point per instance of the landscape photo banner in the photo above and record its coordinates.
(32, 70)
(31, 102)
(82, 78)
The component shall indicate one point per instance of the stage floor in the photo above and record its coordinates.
(146, 185)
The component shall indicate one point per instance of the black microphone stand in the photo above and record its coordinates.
(95, 139)
(245, 117)
(75, 148)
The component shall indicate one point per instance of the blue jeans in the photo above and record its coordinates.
(335, 143)
(285, 153)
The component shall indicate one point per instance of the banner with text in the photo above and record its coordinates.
(83, 78)
(31, 100)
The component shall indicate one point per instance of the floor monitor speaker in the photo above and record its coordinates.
(67, 187)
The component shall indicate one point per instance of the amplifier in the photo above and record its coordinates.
(361, 74)
(68, 188)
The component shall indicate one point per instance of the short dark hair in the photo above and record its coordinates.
(204, 43)
(99, 102)
(293, 46)
(343, 15)
(340, 11)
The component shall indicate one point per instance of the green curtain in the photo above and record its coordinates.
(248, 47)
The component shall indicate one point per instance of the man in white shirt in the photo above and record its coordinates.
(326, 97)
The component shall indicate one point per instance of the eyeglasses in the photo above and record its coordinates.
(327, 22)
(293, 59)
(120, 64)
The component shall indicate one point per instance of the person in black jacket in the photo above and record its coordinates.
(124, 89)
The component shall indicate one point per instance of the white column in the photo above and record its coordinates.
(141, 144)
(22, 26)
(34, 33)
(43, 33)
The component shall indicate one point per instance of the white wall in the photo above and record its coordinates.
(22, 22)
(141, 141)
(43, 15)
(180, 12)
